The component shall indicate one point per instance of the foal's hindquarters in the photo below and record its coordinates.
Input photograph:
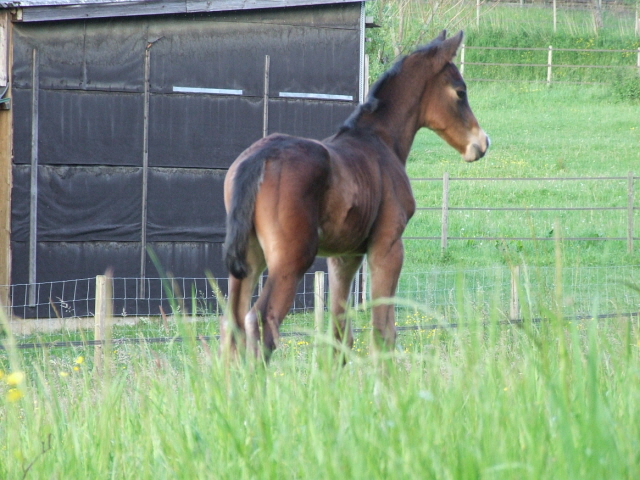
(283, 239)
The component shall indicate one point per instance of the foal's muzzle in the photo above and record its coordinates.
(477, 148)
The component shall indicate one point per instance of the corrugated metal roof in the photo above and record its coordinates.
(55, 3)
(211, 4)
(45, 10)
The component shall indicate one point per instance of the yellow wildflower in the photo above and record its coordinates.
(79, 360)
(63, 374)
(76, 368)
(15, 378)
(14, 394)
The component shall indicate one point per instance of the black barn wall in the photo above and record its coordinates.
(92, 168)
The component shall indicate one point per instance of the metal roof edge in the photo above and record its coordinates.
(40, 11)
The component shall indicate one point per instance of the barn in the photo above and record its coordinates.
(119, 119)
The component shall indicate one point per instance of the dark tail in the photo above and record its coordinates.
(240, 216)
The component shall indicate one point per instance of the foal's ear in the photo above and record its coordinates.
(442, 35)
(450, 46)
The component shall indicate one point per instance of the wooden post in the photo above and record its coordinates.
(462, 60)
(318, 304)
(555, 16)
(445, 211)
(478, 14)
(33, 189)
(514, 300)
(103, 310)
(630, 213)
(549, 63)
(145, 169)
(265, 97)
(6, 140)
(364, 269)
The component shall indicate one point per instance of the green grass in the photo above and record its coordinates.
(550, 400)
(507, 26)
(536, 131)
(489, 400)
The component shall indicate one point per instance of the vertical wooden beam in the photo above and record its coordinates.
(265, 98)
(630, 211)
(445, 211)
(514, 300)
(6, 141)
(318, 304)
(103, 311)
(145, 170)
(4, 48)
(33, 208)
(549, 64)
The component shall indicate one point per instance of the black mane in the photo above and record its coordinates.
(372, 102)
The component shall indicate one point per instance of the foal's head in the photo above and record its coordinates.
(444, 107)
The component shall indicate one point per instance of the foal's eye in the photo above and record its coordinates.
(461, 94)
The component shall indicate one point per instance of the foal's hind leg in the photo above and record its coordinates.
(273, 305)
(385, 263)
(341, 273)
(239, 328)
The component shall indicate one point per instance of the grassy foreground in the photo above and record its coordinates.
(547, 400)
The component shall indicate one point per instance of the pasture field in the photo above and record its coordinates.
(485, 400)
(536, 132)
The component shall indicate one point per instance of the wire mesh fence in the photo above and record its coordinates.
(438, 296)
(132, 297)
(536, 291)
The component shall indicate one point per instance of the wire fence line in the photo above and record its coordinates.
(628, 210)
(576, 17)
(433, 294)
(544, 63)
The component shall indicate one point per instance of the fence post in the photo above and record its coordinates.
(364, 273)
(102, 319)
(514, 300)
(265, 97)
(630, 213)
(445, 211)
(549, 63)
(555, 15)
(477, 13)
(318, 304)
(462, 59)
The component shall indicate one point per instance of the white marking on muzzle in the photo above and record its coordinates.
(477, 147)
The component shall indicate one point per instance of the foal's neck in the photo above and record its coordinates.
(397, 118)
